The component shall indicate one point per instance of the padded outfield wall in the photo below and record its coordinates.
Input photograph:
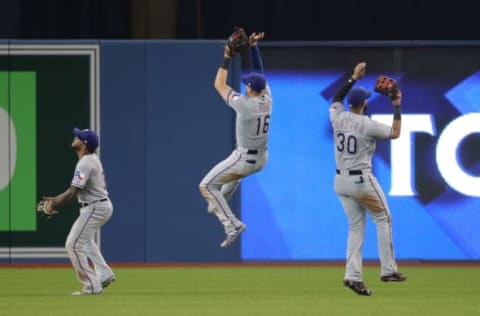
(163, 126)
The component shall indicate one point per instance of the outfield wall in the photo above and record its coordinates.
(163, 126)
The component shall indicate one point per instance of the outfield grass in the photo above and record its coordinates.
(246, 291)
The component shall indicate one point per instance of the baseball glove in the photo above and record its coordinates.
(45, 209)
(387, 86)
(237, 42)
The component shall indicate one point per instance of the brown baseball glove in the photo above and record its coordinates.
(387, 86)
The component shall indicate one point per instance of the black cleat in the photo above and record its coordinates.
(108, 281)
(394, 277)
(358, 287)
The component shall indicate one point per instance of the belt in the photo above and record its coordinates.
(351, 172)
(87, 204)
(251, 151)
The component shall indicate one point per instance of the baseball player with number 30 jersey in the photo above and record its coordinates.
(355, 137)
(252, 126)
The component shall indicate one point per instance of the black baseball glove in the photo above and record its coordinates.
(237, 42)
(387, 86)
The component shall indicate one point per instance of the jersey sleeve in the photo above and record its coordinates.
(235, 100)
(335, 109)
(378, 130)
(81, 174)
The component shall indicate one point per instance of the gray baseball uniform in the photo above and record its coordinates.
(96, 209)
(250, 156)
(355, 140)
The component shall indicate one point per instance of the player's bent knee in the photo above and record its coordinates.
(203, 190)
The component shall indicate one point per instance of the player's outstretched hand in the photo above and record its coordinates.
(254, 38)
(45, 207)
(359, 70)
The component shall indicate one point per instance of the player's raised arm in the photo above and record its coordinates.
(389, 87)
(256, 58)
(236, 43)
(222, 74)
(397, 114)
(358, 72)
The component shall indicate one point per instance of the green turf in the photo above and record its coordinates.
(228, 291)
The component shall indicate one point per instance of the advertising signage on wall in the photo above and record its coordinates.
(45, 90)
(431, 174)
(18, 150)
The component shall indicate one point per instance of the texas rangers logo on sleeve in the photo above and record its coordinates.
(233, 95)
(78, 176)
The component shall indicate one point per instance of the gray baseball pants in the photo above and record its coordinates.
(81, 246)
(221, 182)
(360, 194)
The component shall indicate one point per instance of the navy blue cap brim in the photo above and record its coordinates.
(76, 131)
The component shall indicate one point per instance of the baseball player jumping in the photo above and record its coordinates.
(355, 137)
(88, 185)
(253, 112)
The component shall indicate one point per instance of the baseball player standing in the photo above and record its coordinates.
(253, 112)
(88, 185)
(355, 137)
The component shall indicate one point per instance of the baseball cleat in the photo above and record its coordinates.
(85, 292)
(233, 235)
(108, 281)
(394, 277)
(358, 287)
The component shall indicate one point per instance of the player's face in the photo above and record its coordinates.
(77, 143)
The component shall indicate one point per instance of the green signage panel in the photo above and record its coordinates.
(42, 97)
(18, 94)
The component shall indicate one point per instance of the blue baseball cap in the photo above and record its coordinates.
(88, 137)
(256, 81)
(357, 96)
